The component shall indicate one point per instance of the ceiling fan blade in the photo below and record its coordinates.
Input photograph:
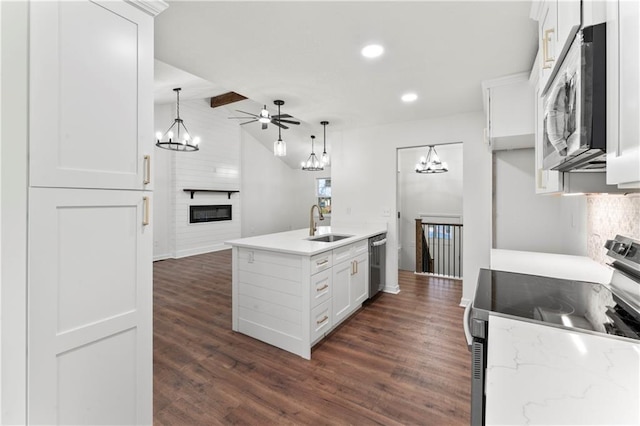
(264, 126)
(249, 113)
(247, 122)
(285, 121)
(241, 118)
(282, 126)
(282, 116)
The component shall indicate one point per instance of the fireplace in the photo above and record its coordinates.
(212, 213)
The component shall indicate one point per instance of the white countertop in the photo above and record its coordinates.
(546, 375)
(296, 242)
(579, 268)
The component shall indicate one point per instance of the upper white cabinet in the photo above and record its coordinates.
(558, 22)
(510, 112)
(623, 94)
(91, 97)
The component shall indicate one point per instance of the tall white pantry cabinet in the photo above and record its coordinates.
(90, 241)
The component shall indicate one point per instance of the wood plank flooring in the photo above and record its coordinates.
(402, 359)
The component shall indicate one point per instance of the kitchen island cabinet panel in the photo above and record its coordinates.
(271, 295)
(271, 316)
(286, 289)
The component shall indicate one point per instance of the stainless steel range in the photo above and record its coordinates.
(587, 307)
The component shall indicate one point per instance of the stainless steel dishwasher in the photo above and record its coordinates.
(377, 263)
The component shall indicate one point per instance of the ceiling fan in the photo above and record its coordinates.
(265, 118)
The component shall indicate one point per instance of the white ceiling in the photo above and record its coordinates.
(308, 54)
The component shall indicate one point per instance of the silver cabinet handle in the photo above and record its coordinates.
(322, 320)
(147, 170)
(322, 262)
(145, 219)
(323, 287)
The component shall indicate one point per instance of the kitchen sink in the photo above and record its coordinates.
(329, 238)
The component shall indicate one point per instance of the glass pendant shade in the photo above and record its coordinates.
(279, 148)
(431, 163)
(326, 160)
(313, 164)
(177, 137)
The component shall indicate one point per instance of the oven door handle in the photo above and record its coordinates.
(465, 324)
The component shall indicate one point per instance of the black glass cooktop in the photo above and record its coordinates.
(563, 303)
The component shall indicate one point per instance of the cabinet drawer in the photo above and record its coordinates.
(320, 262)
(320, 320)
(320, 287)
(341, 254)
(360, 247)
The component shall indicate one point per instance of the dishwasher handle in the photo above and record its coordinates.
(379, 243)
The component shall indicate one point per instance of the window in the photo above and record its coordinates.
(442, 232)
(323, 192)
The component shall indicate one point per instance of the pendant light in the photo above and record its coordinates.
(279, 146)
(312, 164)
(326, 160)
(432, 163)
(182, 141)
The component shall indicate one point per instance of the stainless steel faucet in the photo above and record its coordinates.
(312, 223)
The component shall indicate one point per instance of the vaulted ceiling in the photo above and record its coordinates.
(308, 54)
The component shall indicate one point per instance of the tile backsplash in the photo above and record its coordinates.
(608, 216)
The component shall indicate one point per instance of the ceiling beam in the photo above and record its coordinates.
(226, 98)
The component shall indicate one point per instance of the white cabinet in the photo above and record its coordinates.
(623, 94)
(350, 280)
(510, 112)
(90, 307)
(292, 301)
(90, 236)
(558, 22)
(91, 95)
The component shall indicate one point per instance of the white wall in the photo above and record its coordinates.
(364, 183)
(433, 194)
(530, 222)
(275, 198)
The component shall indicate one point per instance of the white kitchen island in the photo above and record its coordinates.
(290, 291)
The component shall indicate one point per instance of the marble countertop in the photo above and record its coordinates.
(549, 376)
(297, 241)
(579, 268)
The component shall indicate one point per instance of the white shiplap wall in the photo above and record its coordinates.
(215, 166)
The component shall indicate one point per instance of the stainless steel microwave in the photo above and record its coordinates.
(575, 115)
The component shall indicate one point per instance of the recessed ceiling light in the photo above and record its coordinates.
(372, 51)
(409, 97)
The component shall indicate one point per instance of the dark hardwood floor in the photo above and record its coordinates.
(402, 359)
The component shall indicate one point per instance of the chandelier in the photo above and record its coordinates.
(432, 163)
(312, 164)
(177, 137)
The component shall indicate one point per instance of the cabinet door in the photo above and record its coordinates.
(623, 94)
(91, 95)
(90, 307)
(360, 280)
(341, 292)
